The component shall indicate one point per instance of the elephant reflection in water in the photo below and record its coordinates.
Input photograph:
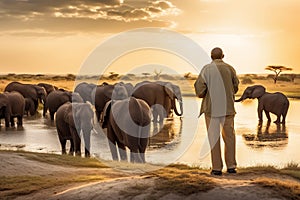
(268, 137)
(164, 134)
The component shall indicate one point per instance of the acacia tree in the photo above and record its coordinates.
(277, 70)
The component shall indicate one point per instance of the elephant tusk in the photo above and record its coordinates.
(94, 131)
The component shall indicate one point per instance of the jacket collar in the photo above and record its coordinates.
(217, 60)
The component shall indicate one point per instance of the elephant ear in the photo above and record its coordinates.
(258, 91)
(169, 90)
(40, 90)
(76, 109)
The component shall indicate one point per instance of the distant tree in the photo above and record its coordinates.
(157, 74)
(113, 76)
(146, 74)
(277, 70)
(187, 75)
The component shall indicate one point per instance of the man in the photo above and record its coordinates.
(217, 84)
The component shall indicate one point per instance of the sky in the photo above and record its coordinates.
(56, 37)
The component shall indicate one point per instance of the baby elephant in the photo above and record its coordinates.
(128, 124)
(71, 119)
(276, 103)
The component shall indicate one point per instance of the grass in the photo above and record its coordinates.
(13, 186)
(179, 179)
(287, 189)
(64, 160)
(182, 181)
(176, 178)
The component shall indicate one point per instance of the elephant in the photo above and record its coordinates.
(57, 98)
(48, 87)
(17, 102)
(31, 91)
(103, 94)
(127, 120)
(71, 119)
(12, 104)
(276, 103)
(29, 106)
(5, 109)
(85, 90)
(161, 93)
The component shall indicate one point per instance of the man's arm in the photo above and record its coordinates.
(200, 86)
(235, 82)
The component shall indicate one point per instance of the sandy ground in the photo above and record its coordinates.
(239, 186)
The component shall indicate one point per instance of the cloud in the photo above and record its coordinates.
(41, 14)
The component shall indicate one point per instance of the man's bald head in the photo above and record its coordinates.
(217, 53)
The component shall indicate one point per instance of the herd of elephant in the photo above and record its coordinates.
(125, 110)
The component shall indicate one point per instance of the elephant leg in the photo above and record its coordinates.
(71, 152)
(12, 122)
(122, 151)
(7, 120)
(259, 112)
(155, 115)
(52, 116)
(277, 120)
(76, 141)
(20, 120)
(112, 142)
(135, 156)
(162, 115)
(283, 119)
(63, 145)
(142, 148)
(268, 115)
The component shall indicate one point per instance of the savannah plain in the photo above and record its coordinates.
(29, 175)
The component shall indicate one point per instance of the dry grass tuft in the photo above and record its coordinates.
(64, 160)
(287, 189)
(182, 180)
(13, 186)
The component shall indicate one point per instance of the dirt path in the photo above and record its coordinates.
(239, 186)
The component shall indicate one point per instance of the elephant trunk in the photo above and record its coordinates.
(87, 141)
(240, 99)
(175, 108)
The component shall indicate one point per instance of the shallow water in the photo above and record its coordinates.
(181, 139)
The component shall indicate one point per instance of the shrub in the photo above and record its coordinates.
(247, 80)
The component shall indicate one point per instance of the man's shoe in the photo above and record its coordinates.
(231, 171)
(216, 172)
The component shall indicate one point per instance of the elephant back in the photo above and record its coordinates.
(55, 99)
(48, 87)
(149, 92)
(102, 96)
(139, 111)
(85, 91)
(27, 90)
(17, 103)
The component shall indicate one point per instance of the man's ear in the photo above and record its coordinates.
(222, 56)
